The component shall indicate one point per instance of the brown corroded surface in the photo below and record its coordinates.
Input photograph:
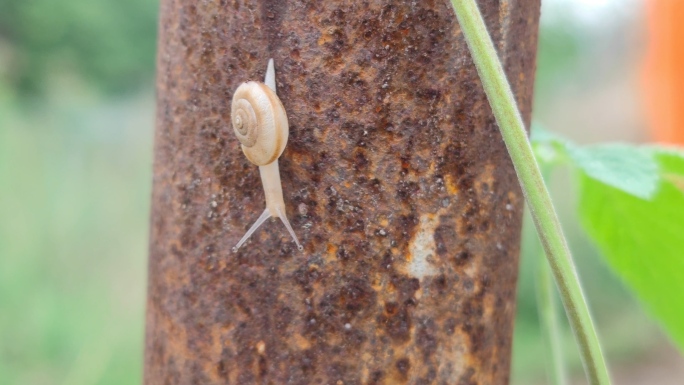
(396, 181)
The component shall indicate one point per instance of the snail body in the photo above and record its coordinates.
(260, 124)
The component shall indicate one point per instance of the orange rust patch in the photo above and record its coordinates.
(450, 184)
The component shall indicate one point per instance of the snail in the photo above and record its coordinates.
(260, 123)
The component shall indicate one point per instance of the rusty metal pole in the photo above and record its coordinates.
(396, 181)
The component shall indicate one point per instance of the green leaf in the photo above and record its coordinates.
(641, 239)
(627, 168)
(549, 149)
(632, 206)
(671, 163)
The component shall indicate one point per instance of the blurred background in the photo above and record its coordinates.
(76, 123)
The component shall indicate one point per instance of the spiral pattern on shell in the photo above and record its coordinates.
(260, 122)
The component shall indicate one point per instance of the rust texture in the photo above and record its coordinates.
(396, 181)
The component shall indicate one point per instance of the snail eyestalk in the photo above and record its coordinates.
(289, 228)
(264, 216)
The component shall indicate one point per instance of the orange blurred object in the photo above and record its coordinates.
(663, 77)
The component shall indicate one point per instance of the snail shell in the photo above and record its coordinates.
(260, 122)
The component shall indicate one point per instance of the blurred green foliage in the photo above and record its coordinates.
(75, 175)
(74, 191)
(108, 44)
(560, 48)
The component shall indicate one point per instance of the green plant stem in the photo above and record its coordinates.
(547, 305)
(536, 195)
(548, 315)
